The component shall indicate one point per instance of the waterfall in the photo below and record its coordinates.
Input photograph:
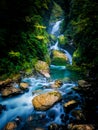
(55, 31)
(55, 28)
(54, 47)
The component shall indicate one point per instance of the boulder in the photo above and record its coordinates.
(80, 127)
(10, 91)
(43, 68)
(56, 84)
(7, 81)
(46, 100)
(70, 105)
(53, 126)
(24, 86)
(59, 58)
(83, 84)
(78, 115)
(10, 126)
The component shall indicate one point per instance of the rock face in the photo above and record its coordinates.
(10, 91)
(46, 100)
(80, 127)
(59, 58)
(43, 68)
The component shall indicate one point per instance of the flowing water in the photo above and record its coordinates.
(21, 105)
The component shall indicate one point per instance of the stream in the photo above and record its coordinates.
(21, 105)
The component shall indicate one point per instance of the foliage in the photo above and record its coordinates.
(57, 13)
(82, 25)
(23, 36)
(63, 40)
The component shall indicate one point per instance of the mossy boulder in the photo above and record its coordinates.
(43, 68)
(59, 58)
(62, 40)
(13, 78)
(46, 100)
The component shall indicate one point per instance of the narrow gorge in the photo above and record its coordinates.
(58, 93)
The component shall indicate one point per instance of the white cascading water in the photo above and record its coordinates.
(54, 47)
(55, 31)
(21, 105)
(56, 27)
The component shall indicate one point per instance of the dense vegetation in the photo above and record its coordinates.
(81, 23)
(23, 36)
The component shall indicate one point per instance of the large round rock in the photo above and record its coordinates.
(46, 100)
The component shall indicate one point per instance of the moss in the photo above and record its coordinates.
(53, 37)
(59, 58)
(55, 93)
(63, 40)
(57, 13)
(59, 61)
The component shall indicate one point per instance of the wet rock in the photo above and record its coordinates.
(78, 115)
(10, 126)
(59, 58)
(16, 77)
(46, 100)
(24, 86)
(10, 91)
(70, 105)
(7, 81)
(84, 84)
(57, 84)
(43, 68)
(53, 126)
(67, 80)
(80, 127)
